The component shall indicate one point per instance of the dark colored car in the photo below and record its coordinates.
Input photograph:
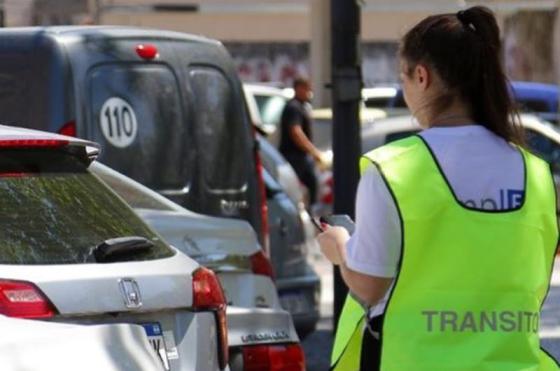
(167, 108)
(291, 239)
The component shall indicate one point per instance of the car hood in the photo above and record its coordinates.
(203, 237)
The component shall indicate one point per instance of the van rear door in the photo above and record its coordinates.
(135, 112)
(223, 145)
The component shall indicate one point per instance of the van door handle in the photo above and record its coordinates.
(175, 192)
(283, 228)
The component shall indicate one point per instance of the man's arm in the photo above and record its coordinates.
(302, 142)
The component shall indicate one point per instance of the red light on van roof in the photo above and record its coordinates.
(147, 51)
(33, 143)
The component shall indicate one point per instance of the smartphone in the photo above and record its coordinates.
(340, 220)
(317, 224)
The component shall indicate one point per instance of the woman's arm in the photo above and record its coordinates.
(369, 289)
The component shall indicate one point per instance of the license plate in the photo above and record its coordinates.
(155, 337)
(293, 302)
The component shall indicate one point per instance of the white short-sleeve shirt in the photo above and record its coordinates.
(484, 171)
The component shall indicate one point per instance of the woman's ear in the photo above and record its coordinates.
(423, 77)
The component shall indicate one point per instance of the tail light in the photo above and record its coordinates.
(208, 295)
(33, 143)
(68, 129)
(327, 188)
(260, 264)
(263, 206)
(273, 358)
(24, 300)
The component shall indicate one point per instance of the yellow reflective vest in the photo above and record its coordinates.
(471, 282)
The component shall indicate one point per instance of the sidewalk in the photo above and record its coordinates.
(318, 345)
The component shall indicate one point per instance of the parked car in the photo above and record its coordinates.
(322, 138)
(537, 98)
(543, 138)
(266, 104)
(50, 346)
(532, 97)
(322, 125)
(292, 237)
(74, 252)
(383, 97)
(230, 248)
(167, 108)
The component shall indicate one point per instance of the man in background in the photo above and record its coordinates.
(296, 137)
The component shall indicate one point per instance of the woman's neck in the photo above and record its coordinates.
(455, 115)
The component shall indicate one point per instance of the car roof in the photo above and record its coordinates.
(408, 123)
(111, 32)
(388, 91)
(366, 114)
(263, 89)
(8, 133)
(534, 86)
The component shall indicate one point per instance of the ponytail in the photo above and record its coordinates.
(465, 50)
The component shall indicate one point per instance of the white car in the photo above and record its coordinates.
(257, 325)
(49, 346)
(542, 138)
(265, 105)
(74, 252)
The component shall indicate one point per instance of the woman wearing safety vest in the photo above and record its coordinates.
(456, 227)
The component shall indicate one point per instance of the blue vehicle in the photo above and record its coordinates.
(533, 97)
(538, 98)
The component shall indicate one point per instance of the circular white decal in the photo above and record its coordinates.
(118, 122)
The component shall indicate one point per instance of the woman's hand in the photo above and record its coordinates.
(333, 244)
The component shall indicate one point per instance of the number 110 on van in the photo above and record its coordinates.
(118, 122)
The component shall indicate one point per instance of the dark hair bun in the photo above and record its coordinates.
(481, 20)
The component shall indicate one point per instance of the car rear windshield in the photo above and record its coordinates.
(53, 211)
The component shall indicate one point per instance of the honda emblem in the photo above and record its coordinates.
(131, 293)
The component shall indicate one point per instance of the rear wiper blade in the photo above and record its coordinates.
(117, 249)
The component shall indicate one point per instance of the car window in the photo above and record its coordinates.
(398, 100)
(53, 211)
(533, 105)
(137, 117)
(270, 108)
(378, 102)
(391, 137)
(544, 147)
(219, 133)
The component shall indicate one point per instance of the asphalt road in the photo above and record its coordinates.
(318, 345)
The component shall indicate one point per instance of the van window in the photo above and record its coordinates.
(19, 89)
(137, 116)
(221, 138)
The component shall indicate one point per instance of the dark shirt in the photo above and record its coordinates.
(295, 113)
